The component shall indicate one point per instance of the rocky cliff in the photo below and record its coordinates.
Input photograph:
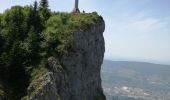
(76, 74)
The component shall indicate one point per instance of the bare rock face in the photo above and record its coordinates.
(3, 98)
(76, 74)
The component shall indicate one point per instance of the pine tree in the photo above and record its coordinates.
(35, 5)
(33, 42)
(44, 11)
(43, 4)
(2, 41)
(33, 19)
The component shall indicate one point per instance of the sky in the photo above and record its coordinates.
(136, 30)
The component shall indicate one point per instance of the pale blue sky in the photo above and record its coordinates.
(136, 30)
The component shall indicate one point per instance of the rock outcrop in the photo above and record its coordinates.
(2, 93)
(76, 74)
(2, 98)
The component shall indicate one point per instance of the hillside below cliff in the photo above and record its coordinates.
(46, 55)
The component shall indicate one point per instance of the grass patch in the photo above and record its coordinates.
(57, 35)
(38, 72)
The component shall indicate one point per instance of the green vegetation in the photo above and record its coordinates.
(1, 90)
(29, 35)
(60, 25)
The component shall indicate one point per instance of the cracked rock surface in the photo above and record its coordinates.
(75, 75)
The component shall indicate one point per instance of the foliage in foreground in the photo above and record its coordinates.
(28, 36)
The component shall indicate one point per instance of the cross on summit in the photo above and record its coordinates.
(76, 9)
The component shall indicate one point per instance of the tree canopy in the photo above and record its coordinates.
(28, 36)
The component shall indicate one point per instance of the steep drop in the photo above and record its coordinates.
(76, 74)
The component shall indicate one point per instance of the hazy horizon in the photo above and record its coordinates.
(137, 61)
(135, 30)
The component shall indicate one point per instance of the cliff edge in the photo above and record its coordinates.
(76, 74)
(50, 56)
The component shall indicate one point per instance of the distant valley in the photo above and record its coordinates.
(123, 80)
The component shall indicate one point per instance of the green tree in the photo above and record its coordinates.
(13, 56)
(1, 38)
(13, 24)
(33, 46)
(33, 19)
(35, 6)
(17, 76)
(43, 4)
(44, 11)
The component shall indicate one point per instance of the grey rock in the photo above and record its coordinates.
(46, 91)
(76, 74)
(2, 98)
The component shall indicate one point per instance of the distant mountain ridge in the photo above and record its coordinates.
(125, 61)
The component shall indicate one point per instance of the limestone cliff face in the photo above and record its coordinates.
(76, 74)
